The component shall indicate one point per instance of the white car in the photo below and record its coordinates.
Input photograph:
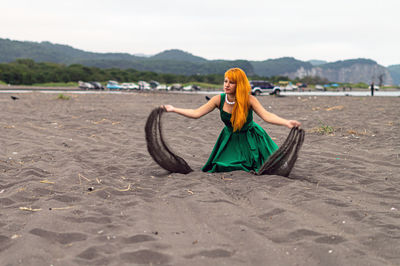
(287, 86)
(191, 88)
(155, 85)
(162, 87)
(129, 86)
(375, 87)
(175, 87)
(143, 85)
(85, 85)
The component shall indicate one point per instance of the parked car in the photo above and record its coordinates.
(191, 88)
(320, 88)
(262, 86)
(130, 86)
(162, 87)
(97, 85)
(113, 85)
(155, 85)
(85, 85)
(287, 86)
(376, 87)
(143, 85)
(301, 85)
(332, 85)
(175, 87)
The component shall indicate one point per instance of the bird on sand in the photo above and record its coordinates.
(14, 98)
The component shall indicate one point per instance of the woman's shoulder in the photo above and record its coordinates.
(254, 103)
(252, 99)
(216, 100)
(217, 97)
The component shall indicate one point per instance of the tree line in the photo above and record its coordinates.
(28, 72)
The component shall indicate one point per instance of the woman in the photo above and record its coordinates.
(242, 144)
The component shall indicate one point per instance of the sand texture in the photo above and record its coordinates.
(78, 186)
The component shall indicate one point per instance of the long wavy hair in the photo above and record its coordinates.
(242, 104)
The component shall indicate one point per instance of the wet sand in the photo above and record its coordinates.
(78, 187)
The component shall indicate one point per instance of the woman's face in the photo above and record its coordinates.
(229, 86)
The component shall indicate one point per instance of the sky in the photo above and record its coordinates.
(213, 29)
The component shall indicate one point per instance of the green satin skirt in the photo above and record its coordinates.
(245, 150)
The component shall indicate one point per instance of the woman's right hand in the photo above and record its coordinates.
(168, 108)
(293, 123)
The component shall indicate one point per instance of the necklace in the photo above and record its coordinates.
(226, 100)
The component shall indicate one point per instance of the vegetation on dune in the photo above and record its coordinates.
(323, 129)
(63, 97)
(55, 84)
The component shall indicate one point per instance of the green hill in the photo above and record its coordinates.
(183, 63)
(316, 62)
(56, 53)
(280, 66)
(170, 61)
(347, 63)
(178, 55)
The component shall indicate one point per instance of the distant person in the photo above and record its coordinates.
(372, 88)
(242, 144)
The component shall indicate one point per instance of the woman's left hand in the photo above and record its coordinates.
(168, 108)
(293, 123)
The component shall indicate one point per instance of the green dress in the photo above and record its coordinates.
(246, 149)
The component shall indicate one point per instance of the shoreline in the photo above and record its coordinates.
(354, 93)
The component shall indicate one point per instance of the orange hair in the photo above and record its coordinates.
(241, 107)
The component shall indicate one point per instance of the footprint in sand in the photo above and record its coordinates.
(138, 239)
(65, 199)
(96, 220)
(62, 238)
(272, 213)
(96, 253)
(33, 171)
(145, 256)
(294, 236)
(4, 242)
(215, 253)
(90, 254)
(333, 240)
(6, 202)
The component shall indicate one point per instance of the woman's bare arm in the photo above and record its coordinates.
(270, 117)
(196, 113)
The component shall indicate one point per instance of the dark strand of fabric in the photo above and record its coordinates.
(159, 149)
(282, 161)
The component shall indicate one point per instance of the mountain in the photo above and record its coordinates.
(170, 61)
(278, 67)
(178, 55)
(57, 53)
(348, 71)
(316, 62)
(395, 73)
(183, 63)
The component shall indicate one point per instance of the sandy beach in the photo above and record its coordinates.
(78, 186)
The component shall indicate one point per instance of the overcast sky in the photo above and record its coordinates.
(213, 29)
